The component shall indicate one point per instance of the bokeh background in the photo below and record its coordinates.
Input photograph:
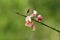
(12, 26)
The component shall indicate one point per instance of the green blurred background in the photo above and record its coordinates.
(12, 26)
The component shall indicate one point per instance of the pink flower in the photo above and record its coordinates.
(28, 21)
(29, 24)
(39, 18)
(34, 13)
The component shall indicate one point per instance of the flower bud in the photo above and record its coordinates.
(39, 18)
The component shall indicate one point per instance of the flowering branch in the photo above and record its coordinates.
(41, 23)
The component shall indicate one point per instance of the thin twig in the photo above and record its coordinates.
(41, 23)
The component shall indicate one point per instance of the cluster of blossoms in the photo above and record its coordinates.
(29, 23)
(38, 19)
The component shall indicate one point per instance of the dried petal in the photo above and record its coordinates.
(28, 10)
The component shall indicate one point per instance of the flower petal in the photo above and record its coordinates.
(35, 12)
(33, 27)
(28, 23)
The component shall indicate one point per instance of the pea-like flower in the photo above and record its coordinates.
(34, 13)
(28, 21)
